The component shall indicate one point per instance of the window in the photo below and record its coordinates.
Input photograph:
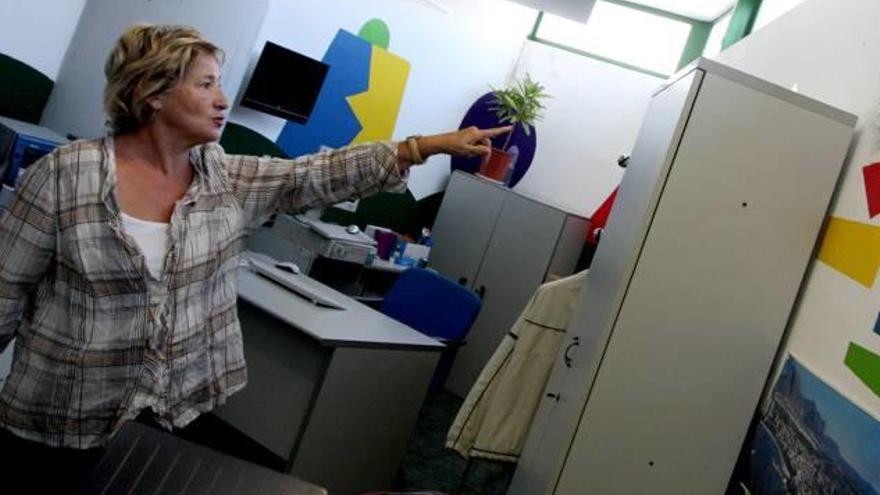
(638, 38)
(771, 9)
(716, 37)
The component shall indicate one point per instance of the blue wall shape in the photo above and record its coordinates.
(480, 114)
(333, 123)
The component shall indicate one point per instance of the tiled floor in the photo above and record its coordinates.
(429, 465)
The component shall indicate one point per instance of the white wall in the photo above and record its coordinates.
(459, 49)
(456, 49)
(830, 49)
(75, 105)
(37, 32)
(593, 117)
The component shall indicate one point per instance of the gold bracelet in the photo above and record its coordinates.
(414, 156)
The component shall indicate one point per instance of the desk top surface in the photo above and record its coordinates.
(355, 326)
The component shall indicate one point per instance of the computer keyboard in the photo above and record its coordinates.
(301, 285)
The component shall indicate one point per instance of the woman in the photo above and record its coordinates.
(119, 254)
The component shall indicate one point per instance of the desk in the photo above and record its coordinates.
(381, 265)
(336, 393)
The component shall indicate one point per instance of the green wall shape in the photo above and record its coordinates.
(24, 90)
(397, 211)
(865, 365)
(240, 140)
(376, 32)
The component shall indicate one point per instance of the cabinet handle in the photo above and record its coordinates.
(482, 292)
(576, 341)
(462, 281)
(554, 396)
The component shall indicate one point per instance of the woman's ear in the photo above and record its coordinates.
(155, 103)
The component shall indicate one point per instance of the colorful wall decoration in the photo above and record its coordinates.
(812, 440)
(361, 96)
(853, 250)
(871, 174)
(865, 365)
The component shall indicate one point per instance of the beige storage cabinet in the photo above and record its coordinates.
(690, 290)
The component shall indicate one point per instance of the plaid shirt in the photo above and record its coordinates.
(98, 339)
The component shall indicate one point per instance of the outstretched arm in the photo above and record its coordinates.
(470, 141)
(264, 186)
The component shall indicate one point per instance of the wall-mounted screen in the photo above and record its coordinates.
(285, 83)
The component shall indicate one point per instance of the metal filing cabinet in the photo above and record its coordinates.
(503, 245)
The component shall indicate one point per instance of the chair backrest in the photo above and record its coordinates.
(432, 304)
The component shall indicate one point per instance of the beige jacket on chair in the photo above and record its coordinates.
(495, 418)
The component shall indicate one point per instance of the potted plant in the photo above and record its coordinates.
(518, 105)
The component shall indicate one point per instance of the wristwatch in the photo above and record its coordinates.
(414, 156)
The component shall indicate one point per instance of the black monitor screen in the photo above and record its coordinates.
(285, 83)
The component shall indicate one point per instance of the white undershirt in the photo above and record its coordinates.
(151, 238)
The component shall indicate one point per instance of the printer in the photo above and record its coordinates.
(304, 240)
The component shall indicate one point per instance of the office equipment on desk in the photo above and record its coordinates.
(21, 144)
(333, 394)
(303, 240)
(690, 290)
(300, 284)
(143, 459)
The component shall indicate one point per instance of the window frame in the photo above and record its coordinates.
(742, 21)
(693, 47)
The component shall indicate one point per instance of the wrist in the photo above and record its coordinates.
(428, 146)
(413, 150)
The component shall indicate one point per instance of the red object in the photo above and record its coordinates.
(872, 187)
(600, 216)
(495, 167)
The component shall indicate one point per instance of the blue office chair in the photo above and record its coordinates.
(435, 306)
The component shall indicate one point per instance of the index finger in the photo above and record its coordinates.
(496, 131)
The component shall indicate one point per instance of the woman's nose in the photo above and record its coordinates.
(221, 102)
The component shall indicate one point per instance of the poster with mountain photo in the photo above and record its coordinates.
(812, 440)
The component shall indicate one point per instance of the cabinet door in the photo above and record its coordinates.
(515, 265)
(554, 426)
(464, 226)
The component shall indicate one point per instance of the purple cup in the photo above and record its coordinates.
(384, 243)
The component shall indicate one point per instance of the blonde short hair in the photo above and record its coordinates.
(147, 61)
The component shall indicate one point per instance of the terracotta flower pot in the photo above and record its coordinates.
(495, 167)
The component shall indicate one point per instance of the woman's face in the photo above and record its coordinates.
(195, 107)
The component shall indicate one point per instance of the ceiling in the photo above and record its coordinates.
(704, 10)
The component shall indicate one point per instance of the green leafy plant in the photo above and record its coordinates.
(519, 105)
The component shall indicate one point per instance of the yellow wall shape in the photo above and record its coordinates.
(378, 106)
(853, 249)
